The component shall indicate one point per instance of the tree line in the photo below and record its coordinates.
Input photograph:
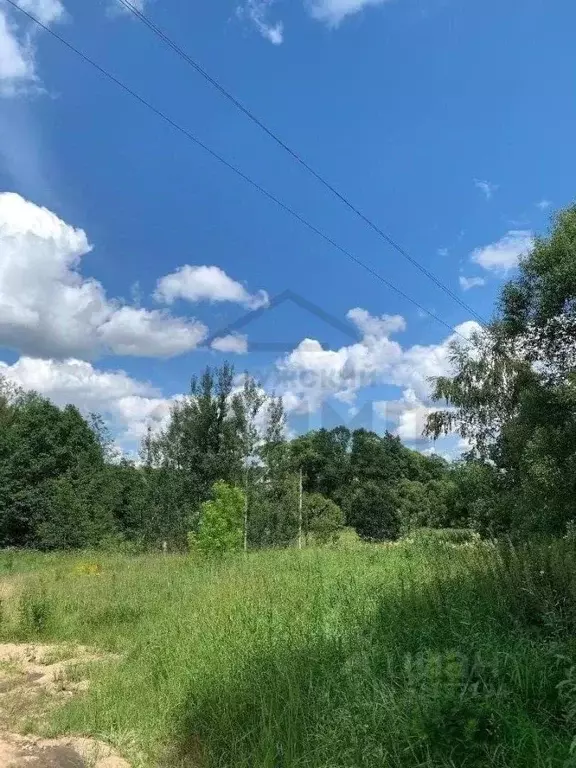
(223, 470)
(513, 394)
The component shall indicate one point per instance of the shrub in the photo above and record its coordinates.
(443, 536)
(35, 614)
(221, 520)
(373, 512)
(348, 539)
(324, 518)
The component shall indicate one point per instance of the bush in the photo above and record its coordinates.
(348, 539)
(442, 536)
(324, 518)
(373, 512)
(35, 614)
(221, 521)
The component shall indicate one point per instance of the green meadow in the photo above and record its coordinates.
(400, 656)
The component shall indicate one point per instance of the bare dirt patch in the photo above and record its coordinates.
(30, 752)
(34, 678)
(53, 668)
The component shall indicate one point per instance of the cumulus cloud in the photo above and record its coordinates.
(202, 283)
(412, 421)
(149, 333)
(257, 12)
(307, 379)
(502, 256)
(48, 309)
(332, 12)
(17, 44)
(470, 282)
(376, 326)
(128, 404)
(543, 204)
(407, 415)
(234, 342)
(46, 11)
(486, 187)
(310, 374)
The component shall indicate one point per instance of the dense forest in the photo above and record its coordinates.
(512, 396)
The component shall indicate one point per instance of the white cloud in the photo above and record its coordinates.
(421, 362)
(442, 251)
(234, 342)
(376, 326)
(16, 64)
(470, 282)
(486, 187)
(504, 255)
(46, 11)
(332, 12)
(544, 204)
(257, 12)
(128, 404)
(17, 44)
(464, 445)
(204, 283)
(136, 331)
(408, 415)
(309, 375)
(48, 309)
(412, 422)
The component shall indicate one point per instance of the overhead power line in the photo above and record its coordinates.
(185, 132)
(296, 156)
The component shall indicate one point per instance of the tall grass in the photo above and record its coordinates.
(382, 656)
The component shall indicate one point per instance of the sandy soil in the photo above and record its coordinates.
(31, 752)
(33, 678)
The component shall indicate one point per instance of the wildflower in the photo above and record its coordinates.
(88, 569)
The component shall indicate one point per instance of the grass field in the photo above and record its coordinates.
(395, 656)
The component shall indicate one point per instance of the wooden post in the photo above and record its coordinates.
(300, 509)
(246, 512)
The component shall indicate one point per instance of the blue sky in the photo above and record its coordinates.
(449, 124)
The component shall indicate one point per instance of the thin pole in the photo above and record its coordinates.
(246, 512)
(300, 509)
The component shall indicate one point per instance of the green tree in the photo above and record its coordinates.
(201, 445)
(124, 493)
(247, 406)
(42, 444)
(274, 499)
(513, 393)
(323, 518)
(221, 520)
(414, 504)
(323, 456)
(374, 512)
